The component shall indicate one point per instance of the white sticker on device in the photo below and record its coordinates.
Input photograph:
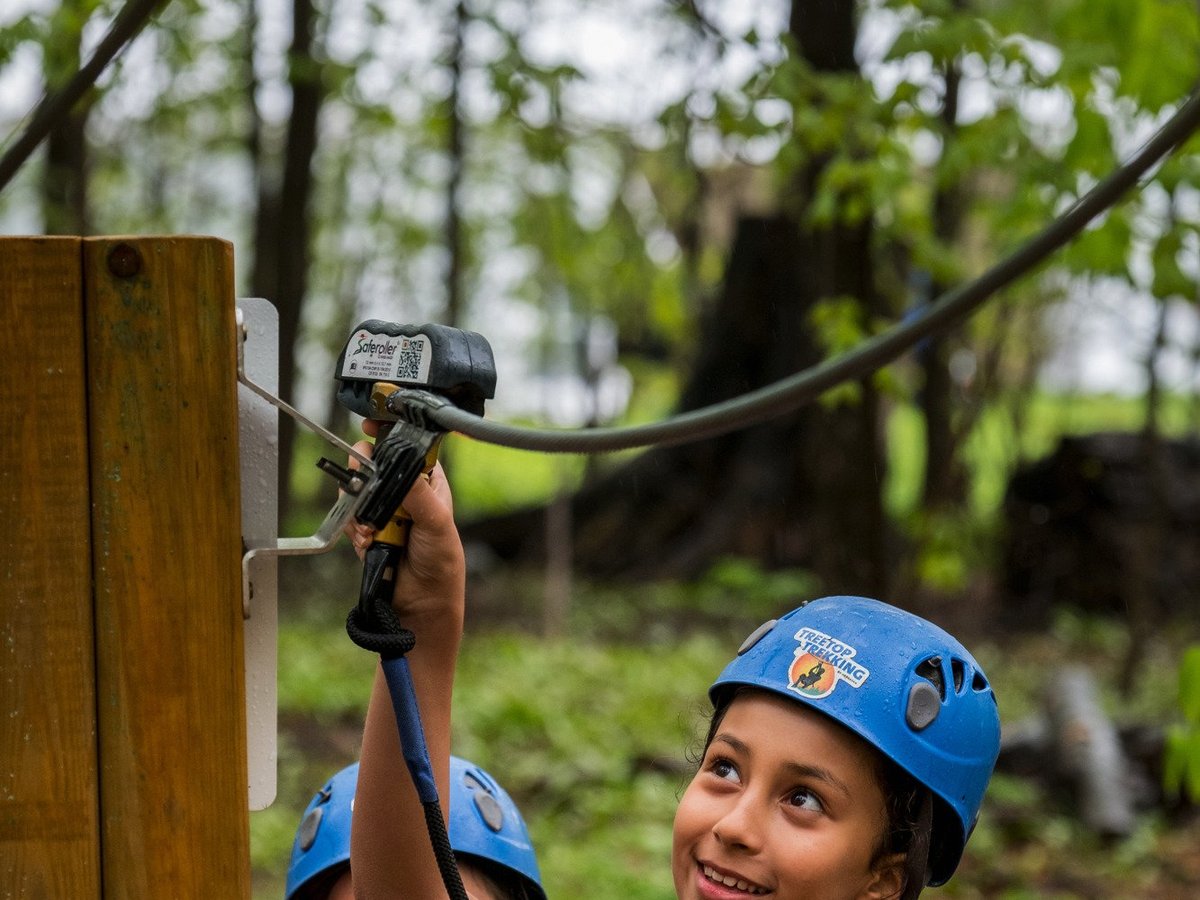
(387, 357)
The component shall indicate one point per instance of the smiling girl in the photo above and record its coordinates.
(849, 748)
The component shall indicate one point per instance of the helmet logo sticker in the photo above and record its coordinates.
(820, 662)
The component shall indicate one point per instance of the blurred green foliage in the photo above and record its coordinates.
(997, 443)
(595, 738)
(599, 811)
(1182, 769)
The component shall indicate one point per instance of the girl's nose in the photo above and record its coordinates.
(740, 825)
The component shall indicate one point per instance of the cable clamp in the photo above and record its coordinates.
(417, 406)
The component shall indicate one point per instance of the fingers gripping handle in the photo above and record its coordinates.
(402, 453)
(408, 449)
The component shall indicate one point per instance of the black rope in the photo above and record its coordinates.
(435, 824)
(375, 627)
(794, 391)
(53, 106)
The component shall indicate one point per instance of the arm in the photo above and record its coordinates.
(391, 856)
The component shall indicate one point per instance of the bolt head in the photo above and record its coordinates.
(124, 261)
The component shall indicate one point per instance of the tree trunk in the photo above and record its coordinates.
(825, 32)
(945, 482)
(1086, 751)
(456, 151)
(800, 491)
(1145, 555)
(64, 197)
(282, 224)
(1106, 774)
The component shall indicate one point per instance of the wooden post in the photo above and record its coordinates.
(49, 832)
(140, 759)
(162, 404)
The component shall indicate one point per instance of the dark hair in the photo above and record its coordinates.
(908, 806)
(905, 801)
(503, 881)
(319, 886)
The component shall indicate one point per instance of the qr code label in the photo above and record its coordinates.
(386, 357)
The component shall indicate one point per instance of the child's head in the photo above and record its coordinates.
(487, 833)
(489, 836)
(850, 746)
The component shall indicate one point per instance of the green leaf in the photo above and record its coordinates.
(1174, 761)
(1103, 249)
(838, 324)
(1163, 68)
(1169, 278)
(1189, 685)
(1091, 147)
(1192, 781)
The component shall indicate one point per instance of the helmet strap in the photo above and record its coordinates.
(916, 864)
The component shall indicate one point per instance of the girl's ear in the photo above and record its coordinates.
(887, 878)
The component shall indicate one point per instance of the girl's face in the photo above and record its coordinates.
(786, 805)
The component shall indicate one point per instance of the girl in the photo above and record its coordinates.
(848, 753)
(849, 749)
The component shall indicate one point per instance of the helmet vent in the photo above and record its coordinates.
(931, 670)
(486, 805)
(958, 671)
(979, 683)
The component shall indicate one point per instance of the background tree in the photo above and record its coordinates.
(282, 229)
(65, 175)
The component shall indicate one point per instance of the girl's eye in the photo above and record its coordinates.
(724, 769)
(803, 798)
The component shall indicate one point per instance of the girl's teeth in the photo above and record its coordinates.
(730, 881)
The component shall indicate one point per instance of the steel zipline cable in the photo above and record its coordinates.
(794, 391)
(54, 106)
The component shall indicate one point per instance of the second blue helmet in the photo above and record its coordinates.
(484, 823)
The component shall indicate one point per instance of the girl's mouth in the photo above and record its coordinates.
(730, 882)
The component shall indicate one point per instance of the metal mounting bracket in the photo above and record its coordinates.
(258, 431)
(357, 485)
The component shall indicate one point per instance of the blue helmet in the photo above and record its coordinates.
(902, 684)
(484, 823)
(322, 844)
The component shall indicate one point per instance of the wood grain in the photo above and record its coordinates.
(165, 496)
(49, 831)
